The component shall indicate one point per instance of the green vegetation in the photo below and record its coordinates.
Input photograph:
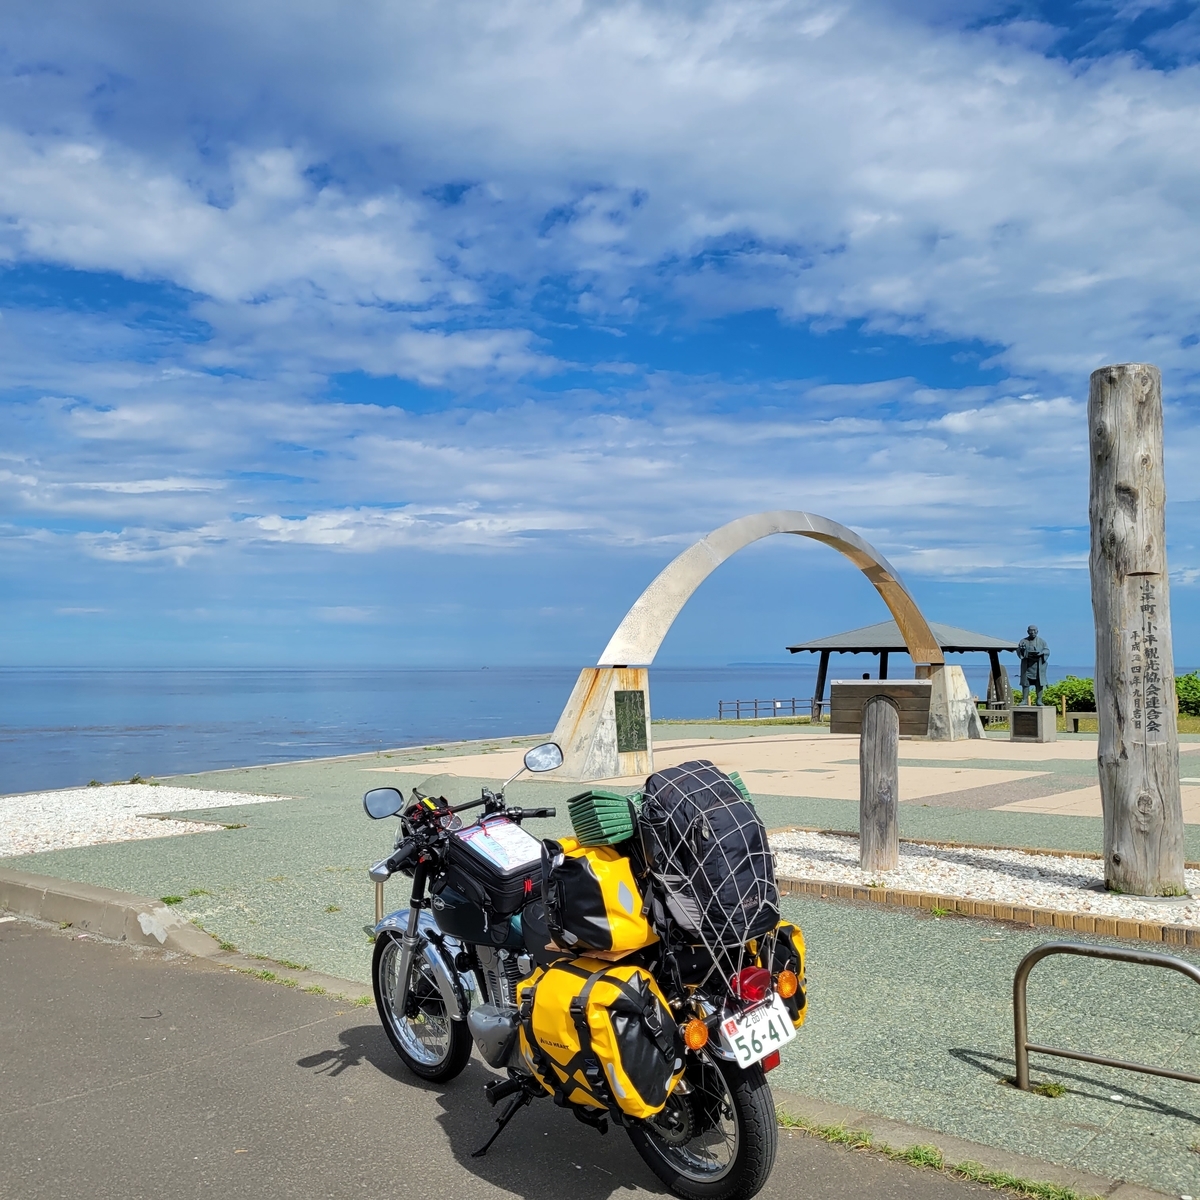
(1187, 688)
(199, 892)
(931, 1158)
(363, 1002)
(1080, 694)
(333, 908)
(1050, 1087)
(136, 779)
(939, 912)
(169, 900)
(94, 783)
(294, 966)
(315, 990)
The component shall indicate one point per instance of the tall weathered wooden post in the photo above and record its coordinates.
(1135, 672)
(879, 786)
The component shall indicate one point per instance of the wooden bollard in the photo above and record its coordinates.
(1138, 753)
(878, 786)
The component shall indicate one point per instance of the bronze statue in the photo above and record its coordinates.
(1034, 654)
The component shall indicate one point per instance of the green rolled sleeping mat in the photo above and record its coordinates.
(602, 818)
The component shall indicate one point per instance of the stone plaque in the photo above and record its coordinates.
(631, 721)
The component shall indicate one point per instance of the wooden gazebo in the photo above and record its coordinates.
(884, 639)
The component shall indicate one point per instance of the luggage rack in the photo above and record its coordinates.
(1145, 958)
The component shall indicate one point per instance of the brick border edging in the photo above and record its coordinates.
(1021, 914)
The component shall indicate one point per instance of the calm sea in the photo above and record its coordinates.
(63, 727)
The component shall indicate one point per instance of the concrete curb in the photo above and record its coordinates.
(900, 1136)
(116, 915)
(138, 921)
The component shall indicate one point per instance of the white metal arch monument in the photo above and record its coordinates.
(604, 729)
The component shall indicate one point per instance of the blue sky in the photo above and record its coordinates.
(426, 333)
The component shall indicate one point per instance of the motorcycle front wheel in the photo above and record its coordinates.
(429, 1043)
(717, 1141)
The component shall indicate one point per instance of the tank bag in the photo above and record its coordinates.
(592, 898)
(600, 1035)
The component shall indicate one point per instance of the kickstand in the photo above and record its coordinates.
(519, 1101)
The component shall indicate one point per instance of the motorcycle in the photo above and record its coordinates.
(446, 972)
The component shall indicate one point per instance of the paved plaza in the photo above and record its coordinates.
(911, 1013)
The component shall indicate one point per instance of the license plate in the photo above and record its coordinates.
(757, 1033)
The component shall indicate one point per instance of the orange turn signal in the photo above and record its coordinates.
(695, 1034)
(786, 984)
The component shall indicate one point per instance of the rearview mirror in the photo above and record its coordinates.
(383, 802)
(545, 757)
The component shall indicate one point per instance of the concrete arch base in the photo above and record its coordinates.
(588, 729)
(953, 716)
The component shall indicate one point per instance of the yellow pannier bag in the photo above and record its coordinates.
(600, 1035)
(592, 899)
(788, 954)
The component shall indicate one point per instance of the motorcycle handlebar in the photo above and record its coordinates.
(519, 814)
(407, 852)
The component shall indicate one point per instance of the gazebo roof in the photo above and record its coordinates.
(871, 639)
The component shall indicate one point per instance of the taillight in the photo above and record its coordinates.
(751, 984)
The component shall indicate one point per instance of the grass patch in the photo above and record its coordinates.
(939, 912)
(333, 908)
(169, 900)
(199, 892)
(930, 1158)
(1050, 1087)
(226, 945)
(315, 990)
(94, 783)
(235, 825)
(65, 924)
(136, 779)
(294, 966)
(363, 1002)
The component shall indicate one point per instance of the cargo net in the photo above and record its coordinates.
(708, 854)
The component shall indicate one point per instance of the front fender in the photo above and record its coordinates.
(439, 951)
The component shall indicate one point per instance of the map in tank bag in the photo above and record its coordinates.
(503, 843)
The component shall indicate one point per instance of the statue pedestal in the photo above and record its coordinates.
(1033, 723)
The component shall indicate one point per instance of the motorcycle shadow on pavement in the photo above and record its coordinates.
(543, 1154)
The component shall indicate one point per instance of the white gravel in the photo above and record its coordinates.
(1001, 876)
(90, 816)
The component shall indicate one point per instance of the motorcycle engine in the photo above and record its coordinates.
(493, 1025)
(502, 971)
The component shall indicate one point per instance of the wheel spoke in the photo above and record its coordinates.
(424, 1028)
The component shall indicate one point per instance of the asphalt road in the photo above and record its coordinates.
(124, 1074)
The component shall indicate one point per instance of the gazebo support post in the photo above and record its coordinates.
(999, 691)
(818, 702)
(883, 661)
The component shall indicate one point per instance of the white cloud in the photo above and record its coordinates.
(845, 161)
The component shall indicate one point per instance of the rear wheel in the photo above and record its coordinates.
(431, 1045)
(718, 1141)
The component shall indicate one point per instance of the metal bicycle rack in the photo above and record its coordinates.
(1021, 1015)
